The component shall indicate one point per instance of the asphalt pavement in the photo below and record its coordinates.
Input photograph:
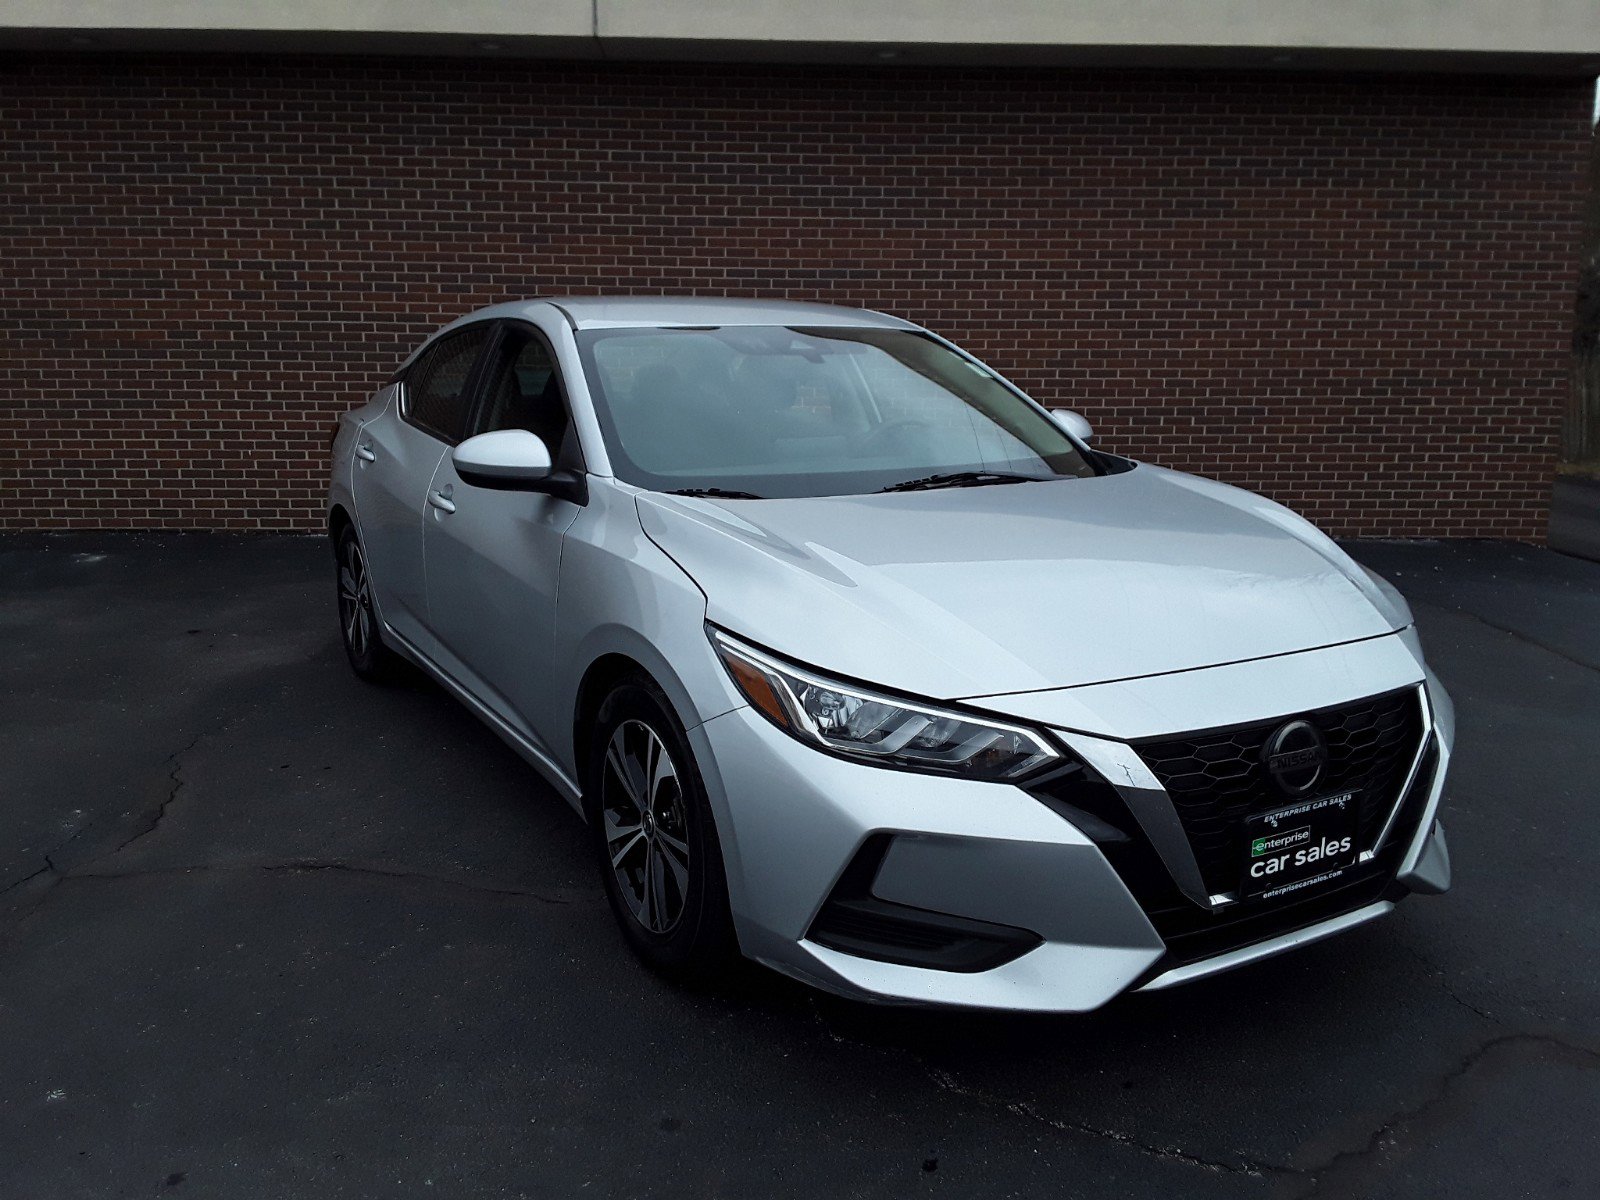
(266, 931)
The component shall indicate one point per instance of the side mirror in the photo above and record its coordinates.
(1073, 422)
(506, 458)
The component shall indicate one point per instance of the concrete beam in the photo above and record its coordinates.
(1529, 36)
(1432, 26)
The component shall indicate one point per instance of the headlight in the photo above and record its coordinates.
(890, 732)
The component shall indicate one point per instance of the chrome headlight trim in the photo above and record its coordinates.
(894, 732)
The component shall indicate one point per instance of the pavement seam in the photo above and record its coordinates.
(304, 867)
(1438, 974)
(310, 866)
(176, 783)
(1375, 1140)
(49, 868)
(1021, 1108)
(946, 1081)
(1252, 1168)
(1510, 632)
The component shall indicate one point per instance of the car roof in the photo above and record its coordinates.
(613, 312)
(635, 312)
(623, 312)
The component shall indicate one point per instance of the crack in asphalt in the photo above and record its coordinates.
(1438, 975)
(1382, 1137)
(49, 868)
(1021, 1108)
(1315, 1175)
(153, 821)
(1376, 1140)
(1451, 992)
(292, 866)
(945, 1081)
(311, 865)
(1518, 634)
(176, 780)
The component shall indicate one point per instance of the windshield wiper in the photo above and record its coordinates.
(715, 494)
(960, 479)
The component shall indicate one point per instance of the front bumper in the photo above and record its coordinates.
(792, 820)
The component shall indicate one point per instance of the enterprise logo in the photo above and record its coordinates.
(1272, 843)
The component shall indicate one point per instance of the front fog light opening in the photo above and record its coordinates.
(854, 921)
(868, 726)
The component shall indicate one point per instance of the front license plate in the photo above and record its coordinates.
(1299, 846)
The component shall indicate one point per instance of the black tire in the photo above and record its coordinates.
(685, 929)
(358, 621)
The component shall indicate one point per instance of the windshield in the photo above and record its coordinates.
(790, 411)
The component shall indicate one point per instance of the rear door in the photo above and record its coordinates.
(494, 557)
(396, 454)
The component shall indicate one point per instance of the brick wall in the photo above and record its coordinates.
(1351, 293)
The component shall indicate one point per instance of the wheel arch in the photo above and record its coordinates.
(339, 519)
(600, 677)
(614, 653)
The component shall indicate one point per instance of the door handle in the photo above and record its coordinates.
(364, 450)
(442, 501)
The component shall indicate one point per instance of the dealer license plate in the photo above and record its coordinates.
(1300, 846)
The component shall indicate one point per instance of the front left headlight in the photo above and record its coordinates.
(854, 722)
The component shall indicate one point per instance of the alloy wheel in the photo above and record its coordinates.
(355, 600)
(642, 805)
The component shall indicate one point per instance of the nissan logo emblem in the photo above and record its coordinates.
(1295, 755)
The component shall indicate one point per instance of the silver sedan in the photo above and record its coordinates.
(858, 662)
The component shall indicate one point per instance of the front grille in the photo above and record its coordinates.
(1192, 933)
(1216, 779)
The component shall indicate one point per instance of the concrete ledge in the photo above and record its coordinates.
(1529, 26)
(1535, 36)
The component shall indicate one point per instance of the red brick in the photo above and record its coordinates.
(1352, 293)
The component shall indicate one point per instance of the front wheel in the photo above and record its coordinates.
(655, 837)
(358, 620)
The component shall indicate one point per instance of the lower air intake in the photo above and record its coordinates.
(854, 921)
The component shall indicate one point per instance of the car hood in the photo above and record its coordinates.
(965, 592)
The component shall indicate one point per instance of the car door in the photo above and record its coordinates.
(493, 557)
(395, 458)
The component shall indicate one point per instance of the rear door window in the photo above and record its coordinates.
(437, 395)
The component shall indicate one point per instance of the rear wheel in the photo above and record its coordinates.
(655, 837)
(358, 620)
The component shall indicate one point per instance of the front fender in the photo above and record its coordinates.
(622, 595)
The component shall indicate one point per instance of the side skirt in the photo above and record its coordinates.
(536, 758)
